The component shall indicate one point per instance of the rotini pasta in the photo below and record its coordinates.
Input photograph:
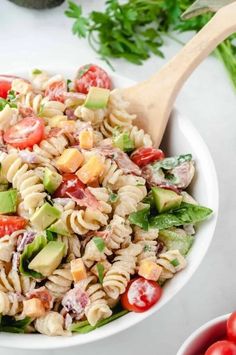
(98, 308)
(117, 278)
(81, 205)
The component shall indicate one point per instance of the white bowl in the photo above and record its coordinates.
(199, 341)
(180, 137)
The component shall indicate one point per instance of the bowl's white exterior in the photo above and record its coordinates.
(203, 337)
(180, 137)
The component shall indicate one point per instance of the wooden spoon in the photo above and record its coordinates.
(152, 100)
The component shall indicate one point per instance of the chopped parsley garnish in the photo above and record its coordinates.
(113, 197)
(100, 244)
(36, 71)
(100, 269)
(175, 262)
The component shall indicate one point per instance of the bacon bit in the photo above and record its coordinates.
(26, 111)
(54, 132)
(56, 91)
(84, 198)
(75, 302)
(121, 158)
(75, 95)
(70, 113)
(43, 295)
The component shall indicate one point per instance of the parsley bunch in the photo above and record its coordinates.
(137, 28)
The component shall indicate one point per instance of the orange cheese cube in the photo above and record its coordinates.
(91, 170)
(86, 139)
(33, 308)
(70, 160)
(78, 269)
(149, 270)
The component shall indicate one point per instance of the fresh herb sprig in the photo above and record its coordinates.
(137, 28)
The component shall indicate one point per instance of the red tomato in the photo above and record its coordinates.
(70, 184)
(140, 295)
(231, 327)
(5, 84)
(91, 75)
(56, 90)
(10, 224)
(223, 347)
(26, 133)
(144, 156)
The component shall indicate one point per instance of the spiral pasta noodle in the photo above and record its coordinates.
(24, 180)
(128, 198)
(95, 117)
(148, 241)
(13, 281)
(50, 148)
(51, 324)
(60, 281)
(92, 254)
(171, 262)
(72, 246)
(98, 308)
(7, 245)
(117, 115)
(120, 233)
(10, 304)
(80, 222)
(102, 195)
(140, 138)
(110, 174)
(118, 276)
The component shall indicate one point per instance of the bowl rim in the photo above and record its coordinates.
(196, 333)
(76, 340)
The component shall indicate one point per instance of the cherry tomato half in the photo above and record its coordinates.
(5, 84)
(223, 347)
(70, 183)
(56, 91)
(144, 156)
(25, 133)
(10, 224)
(140, 295)
(91, 75)
(231, 327)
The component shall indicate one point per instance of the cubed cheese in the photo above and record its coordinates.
(78, 269)
(33, 308)
(86, 139)
(149, 270)
(90, 170)
(21, 86)
(70, 160)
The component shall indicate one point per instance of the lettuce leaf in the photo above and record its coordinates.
(11, 325)
(185, 214)
(84, 326)
(172, 162)
(30, 251)
(140, 218)
(176, 239)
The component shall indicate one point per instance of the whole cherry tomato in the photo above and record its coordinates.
(91, 75)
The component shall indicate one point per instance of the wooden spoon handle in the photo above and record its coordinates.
(202, 44)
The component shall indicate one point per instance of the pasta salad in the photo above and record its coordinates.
(93, 219)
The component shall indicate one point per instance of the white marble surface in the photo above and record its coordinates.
(37, 39)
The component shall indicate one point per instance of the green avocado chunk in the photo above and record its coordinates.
(51, 180)
(8, 201)
(97, 98)
(124, 142)
(45, 216)
(166, 200)
(59, 227)
(176, 238)
(48, 259)
(38, 4)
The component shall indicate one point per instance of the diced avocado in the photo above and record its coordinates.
(48, 259)
(166, 200)
(176, 238)
(60, 228)
(124, 142)
(51, 180)
(45, 216)
(97, 98)
(8, 201)
(4, 187)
